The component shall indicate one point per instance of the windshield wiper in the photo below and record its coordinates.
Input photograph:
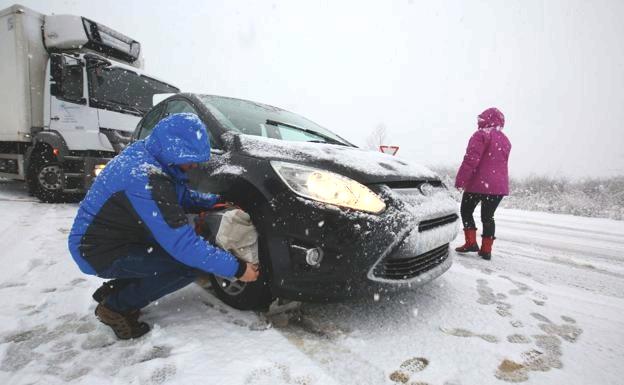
(119, 106)
(328, 139)
(129, 107)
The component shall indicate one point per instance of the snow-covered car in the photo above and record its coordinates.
(333, 220)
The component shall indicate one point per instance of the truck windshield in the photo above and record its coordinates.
(123, 90)
(259, 119)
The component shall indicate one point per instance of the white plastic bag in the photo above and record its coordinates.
(238, 235)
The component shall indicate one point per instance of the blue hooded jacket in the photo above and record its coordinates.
(140, 199)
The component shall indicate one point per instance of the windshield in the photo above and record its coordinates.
(118, 88)
(258, 119)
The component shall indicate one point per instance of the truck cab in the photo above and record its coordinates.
(75, 93)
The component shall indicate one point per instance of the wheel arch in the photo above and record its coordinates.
(253, 199)
(44, 140)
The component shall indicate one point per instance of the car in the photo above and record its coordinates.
(334, 221)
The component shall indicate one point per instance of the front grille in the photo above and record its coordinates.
(436, 222)
(406, 268)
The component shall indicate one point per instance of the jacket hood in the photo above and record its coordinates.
(179, 139)
(490, 118)
(364, 166)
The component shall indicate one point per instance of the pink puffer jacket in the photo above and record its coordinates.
(484, 169)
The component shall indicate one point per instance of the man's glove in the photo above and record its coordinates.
(247, 272)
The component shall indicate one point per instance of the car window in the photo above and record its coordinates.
(294, 135)
(120, 87)
(72, 82)
(180, 106)
(149, 121)
(251, 118)
(68, 78)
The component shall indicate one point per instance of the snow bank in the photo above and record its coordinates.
(602, 198)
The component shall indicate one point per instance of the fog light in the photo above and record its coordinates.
(98, 169)
(314, 256)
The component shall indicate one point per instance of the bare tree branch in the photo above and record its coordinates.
(377, 137)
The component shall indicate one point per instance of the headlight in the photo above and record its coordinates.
(98, 169)
(328, 187)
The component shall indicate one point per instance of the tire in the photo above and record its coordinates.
(45, 178)
(243, 296)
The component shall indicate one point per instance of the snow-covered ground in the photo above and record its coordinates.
(548, 309)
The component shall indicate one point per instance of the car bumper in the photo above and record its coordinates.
(404, 247)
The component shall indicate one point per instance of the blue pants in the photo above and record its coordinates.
(145, 277)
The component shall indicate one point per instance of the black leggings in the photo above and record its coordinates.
(489, 203)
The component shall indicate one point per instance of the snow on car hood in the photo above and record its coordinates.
(364, 166)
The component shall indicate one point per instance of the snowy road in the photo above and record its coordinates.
(548, 309)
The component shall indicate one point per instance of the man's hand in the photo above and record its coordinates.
(251, 273)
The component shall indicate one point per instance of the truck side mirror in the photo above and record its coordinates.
(56, 72)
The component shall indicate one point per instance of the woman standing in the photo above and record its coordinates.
(484, 178)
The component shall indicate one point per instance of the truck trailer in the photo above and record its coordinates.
(71, 93)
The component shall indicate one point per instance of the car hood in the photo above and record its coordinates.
(365, 166)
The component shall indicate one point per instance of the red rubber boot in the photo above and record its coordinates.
(486, 248)
(470, 234)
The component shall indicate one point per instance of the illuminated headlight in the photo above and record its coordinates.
(328, 187)
(98, 169)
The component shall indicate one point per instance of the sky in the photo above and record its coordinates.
(422, 69)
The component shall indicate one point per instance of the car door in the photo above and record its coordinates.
(146, 125)
(200, 178)
(69, 113)
(177, 106)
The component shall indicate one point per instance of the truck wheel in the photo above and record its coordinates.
(245, 295)
(46, 179)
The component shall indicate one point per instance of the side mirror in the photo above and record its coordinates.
(56, 72)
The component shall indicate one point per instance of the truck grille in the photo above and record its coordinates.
(436, 222)
(406, 268)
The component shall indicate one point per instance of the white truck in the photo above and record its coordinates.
(71, 93)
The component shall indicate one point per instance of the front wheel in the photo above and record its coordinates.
(46, 179)
(243, 295)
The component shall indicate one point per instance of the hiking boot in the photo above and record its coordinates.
(109, 288)
(125, 325)
(486, 248)
(470, 244)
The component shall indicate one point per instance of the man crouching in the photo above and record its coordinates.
(132, 226)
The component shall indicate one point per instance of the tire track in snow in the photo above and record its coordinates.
(595, 237)
(562, 229)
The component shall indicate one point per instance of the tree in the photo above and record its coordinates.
(377, 137)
